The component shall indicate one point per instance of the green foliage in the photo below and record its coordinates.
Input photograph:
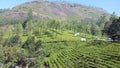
(19, 28)
(29, 15)
(13, 41)
(101, 20)
(10, 54)
(51, 43)
(1, 35)
(38, 45)
(48, 33)
(114, 28)
(29, 27)
(29, 44)
(29, 18)
(108, 23)
(95, 30)
(37, 33)
(84, 55)
(113, 16)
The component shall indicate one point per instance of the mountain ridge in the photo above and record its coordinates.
(55, 10)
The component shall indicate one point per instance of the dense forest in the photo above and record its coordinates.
(52, 43)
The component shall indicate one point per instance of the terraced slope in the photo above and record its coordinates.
(84, 55)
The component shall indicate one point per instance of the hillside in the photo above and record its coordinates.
(42, 34)
(54, 10)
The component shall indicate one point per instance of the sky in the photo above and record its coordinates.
(108, 5)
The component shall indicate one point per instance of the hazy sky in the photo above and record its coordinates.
(109, 5)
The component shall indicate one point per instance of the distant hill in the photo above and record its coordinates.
(54, 10)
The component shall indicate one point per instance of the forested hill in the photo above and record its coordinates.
(56, 10)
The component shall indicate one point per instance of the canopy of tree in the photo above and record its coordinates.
(112, 27)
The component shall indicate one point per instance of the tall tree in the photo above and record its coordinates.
(113, 16)
(108, 23)
(30, 45)
(1, 35)
(101, 21)
(95, 30)
(29, 15)
(114, 29)
(18, 28)
(29, 27)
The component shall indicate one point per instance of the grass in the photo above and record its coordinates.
(80, 54)
(64, 50)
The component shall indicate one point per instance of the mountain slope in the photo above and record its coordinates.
(56, 10)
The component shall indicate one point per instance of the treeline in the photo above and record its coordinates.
(112, 27)
(87, 25)
(57, 25)
(12, 48)
(13, 52)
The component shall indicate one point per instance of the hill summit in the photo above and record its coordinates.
(54, 10)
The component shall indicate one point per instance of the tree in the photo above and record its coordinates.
(95, 30)
(18, 28)
(29, 26)
(114, 29)
(108, 23)
(31, 46)
(29, 15)
(38, 45)
(29, 42)
(101, 21)
(113, 16)
(88, 30)
(10, 54)
(15, 40)
(1, 35)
